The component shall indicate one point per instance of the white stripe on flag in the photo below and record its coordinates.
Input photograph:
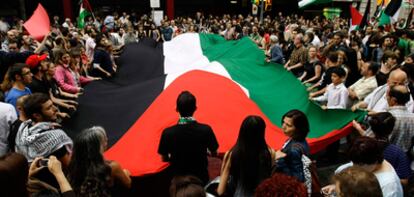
(184, 53)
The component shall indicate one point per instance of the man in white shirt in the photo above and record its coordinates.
(377, 100)
(7, 117)
(360, 89)
(90, 44)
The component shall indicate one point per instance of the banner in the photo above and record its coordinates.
(38, 24)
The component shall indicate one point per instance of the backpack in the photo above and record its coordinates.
(312, 183)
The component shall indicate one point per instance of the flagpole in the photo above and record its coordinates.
(89, 5)
(261, 11)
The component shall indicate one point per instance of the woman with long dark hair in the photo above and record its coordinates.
(89, 173)
(295, 125)
(248, 162)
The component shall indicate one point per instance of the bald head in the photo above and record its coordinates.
(399, 95)
(397, 77)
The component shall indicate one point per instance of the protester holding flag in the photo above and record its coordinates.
(84, 12)
(296, 127)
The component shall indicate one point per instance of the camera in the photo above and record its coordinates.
(43, 162)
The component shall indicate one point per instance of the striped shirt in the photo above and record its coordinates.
(399, 160)
(404, 127)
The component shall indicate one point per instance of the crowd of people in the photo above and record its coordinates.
(369, 69)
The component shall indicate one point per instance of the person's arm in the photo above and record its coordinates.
(212, 143)
(296, 165)
(295, 66)
(69, 95)
(42, 44)
(319, 92)
(224, 174)
(55, 167)
(287, 64)
(318, 72)
(98, 67)
(327, 49)
(60, 79)
(368, 88)
(162, 37)
(317, 84)
(321, 98)
(303, 76)
(352, 93)
(359, 105)
(84, 80)
(357, 126)
(122, 175)
(60, 102)
(158, 35)
(163, 147)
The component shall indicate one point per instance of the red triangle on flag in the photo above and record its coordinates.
(38, 25)
(356, 16)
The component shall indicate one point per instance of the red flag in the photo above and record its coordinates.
(356, 16)
(38, 25)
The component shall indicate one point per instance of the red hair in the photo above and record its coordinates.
(281, 185)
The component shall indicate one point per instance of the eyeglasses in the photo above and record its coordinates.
(26, 73)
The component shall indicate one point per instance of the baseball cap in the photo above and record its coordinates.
(35, 59)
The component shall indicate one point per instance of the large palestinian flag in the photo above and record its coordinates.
(230, 80)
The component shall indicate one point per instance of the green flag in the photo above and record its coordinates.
(83, 13)
(384, 19)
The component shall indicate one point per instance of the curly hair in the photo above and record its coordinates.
(281, 185)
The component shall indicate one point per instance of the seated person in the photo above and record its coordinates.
(360, 89)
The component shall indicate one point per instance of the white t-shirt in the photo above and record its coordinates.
(89, 47)
(389, 182)
(7, 117)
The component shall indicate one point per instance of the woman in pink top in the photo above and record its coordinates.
(67, 79)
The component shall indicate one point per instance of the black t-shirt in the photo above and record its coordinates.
(103, 59)
(310, 70)
(187, 146)
(39, 86)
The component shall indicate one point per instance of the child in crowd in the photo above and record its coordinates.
(336, 94)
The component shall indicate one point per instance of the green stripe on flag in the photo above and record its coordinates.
(384, 19)
(271, 87)
(83, 13)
